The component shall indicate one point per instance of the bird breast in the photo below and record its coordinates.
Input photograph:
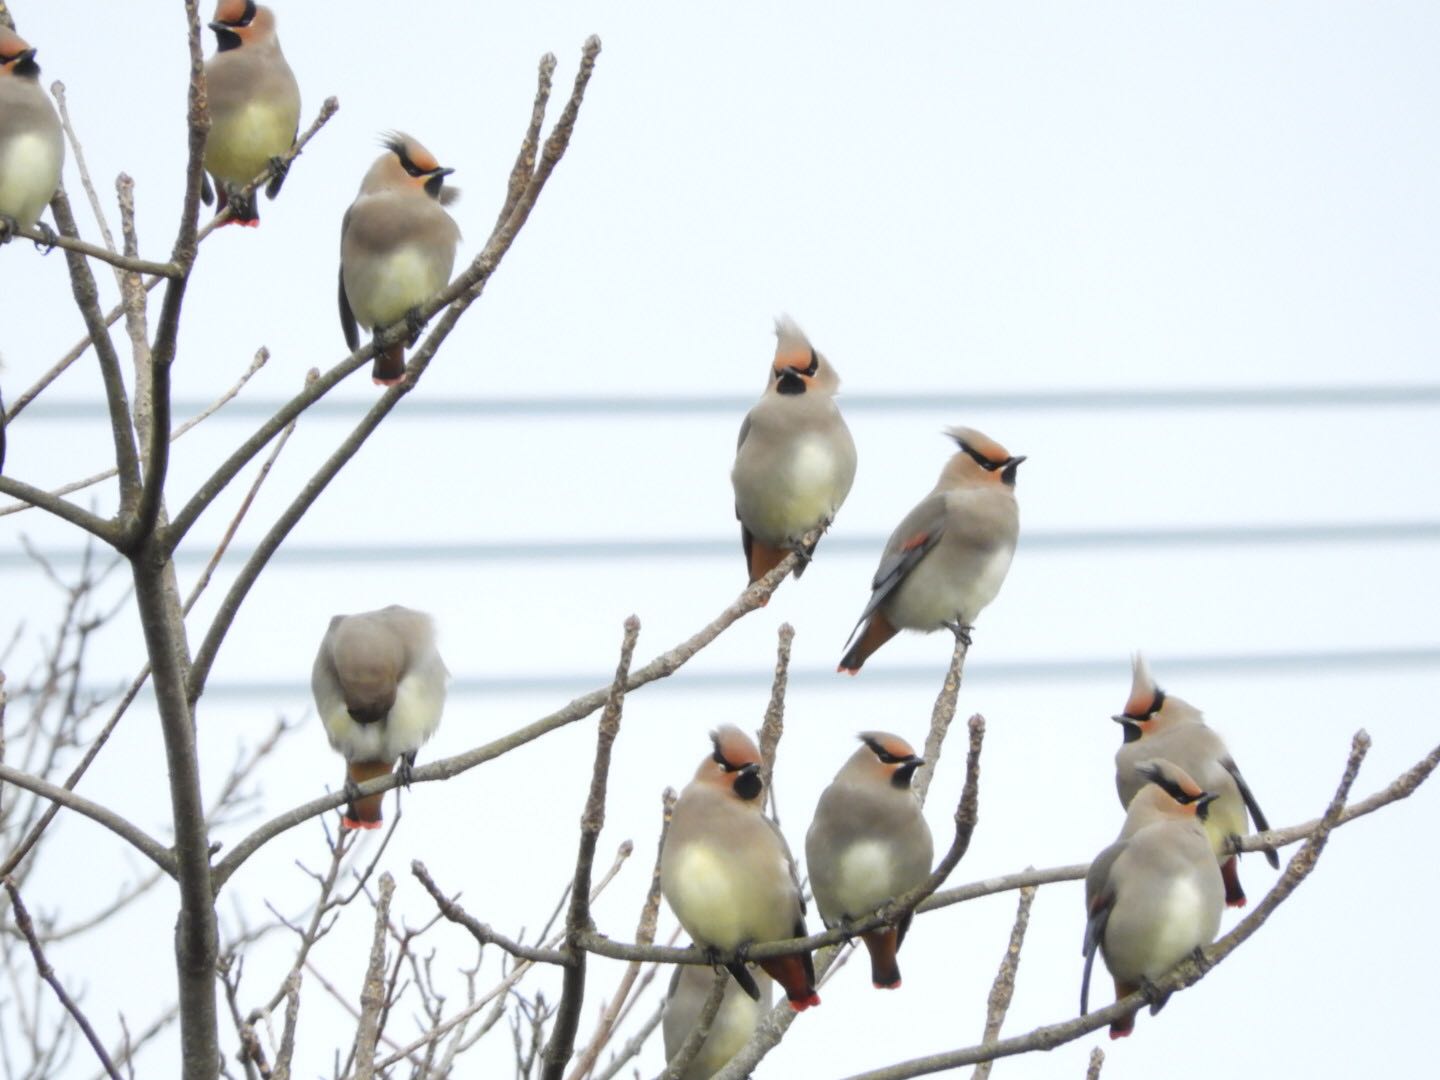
(719, 903)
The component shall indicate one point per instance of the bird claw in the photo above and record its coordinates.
(1201, 962)
(960, 630)
(414, 323)
(48, 238)
(8, 228)
(279, 168)
(406, 769)
(352, 793)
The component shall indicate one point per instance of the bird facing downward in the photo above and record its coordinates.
(254, 107)
(397, 248)
(1155, 895)
(948, 558)
(869, 843)
(31, 147)
(379, 687)
(795, 460)
(1161, 725)
(727, 873)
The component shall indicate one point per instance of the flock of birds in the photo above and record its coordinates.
(1152, 897)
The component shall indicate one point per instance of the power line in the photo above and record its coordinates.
(869, 544)
(1028, 672)
(1193, 398)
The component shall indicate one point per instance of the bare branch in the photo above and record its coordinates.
(147, 845)
(940, 719)
(481, 931)
(1097, 1058)
(80, 247)
(774, 724)
(1003, 989)
(27, 928)
(677, 1065)
(372, 997)
(567, 1015)
(287, 1035)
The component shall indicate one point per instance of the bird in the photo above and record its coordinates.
(728, 874)
(1161, 725)
(379, 687)
(948, 558)
(1154, 896)
(795, 459)
(868, 843)
(32, 149)
(732, 1027)
(397, 247)
(254, 108)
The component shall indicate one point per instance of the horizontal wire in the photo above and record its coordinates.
(472, 551)
(1029, 672)
(1263, 397)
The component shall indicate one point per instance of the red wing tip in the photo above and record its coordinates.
(915, 541)
(351, 823)
(887, 986)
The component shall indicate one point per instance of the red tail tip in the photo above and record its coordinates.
(1238, 902)
(801, 1006)
(887, 986)
(1120, 1033)
(851, 671)
(386, 382)
(253, 223)
(347, 822)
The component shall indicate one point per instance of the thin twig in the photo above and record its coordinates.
(577, 920)
(697, 1035)
(46, 972)
(372, 996)
(774, 724)
(1003, 989)
(1097, 1059)
(940, 719)
(142, 841)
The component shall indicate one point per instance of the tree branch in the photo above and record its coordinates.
(482, 932)
(147, 845)
(695, 1039)
(1003, 989)
(940, 719)
(372, 995)
(121, 262)
(46, 972)
(577, 921)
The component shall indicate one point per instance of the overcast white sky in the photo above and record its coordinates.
(969, 204)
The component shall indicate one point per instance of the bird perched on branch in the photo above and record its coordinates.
(1161, 725)
(729, 1031)
(869, 843)
(795, 460)
(397, 247)
(949, 556)
(1154, 896)
(379, 686)
(31, 147)
(254, 108)
(727, 873)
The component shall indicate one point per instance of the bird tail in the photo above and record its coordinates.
(389, 366)
(364, 812)
(884, 968)
(243, 211)
(1230, 871)
(877, 631)
(1122, 1027)
(795, 974)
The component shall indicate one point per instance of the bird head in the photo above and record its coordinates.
(407, 165)
(1149, 708)
(17, 58)
(734, 764)
(797, 367)
(981, 460)
(240, 22)
(891, 757)
(1173, 790)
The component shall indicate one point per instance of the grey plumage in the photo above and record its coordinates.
(795, 458)
(1155, 895)
(32, 149)
(732, 1027)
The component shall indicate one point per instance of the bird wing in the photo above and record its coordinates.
(347, 317)
(1256, 814)
(1095, 922)
(917, 534)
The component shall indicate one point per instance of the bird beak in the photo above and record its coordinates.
(1121, 718)
(442, 172)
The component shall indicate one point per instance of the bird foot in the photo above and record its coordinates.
(8, 228)
(406, 769)
(960, 630)
(48, 238)
(1201, 962)
(803, 555)
(414, 323)
(279, 168)
(1150, 992)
